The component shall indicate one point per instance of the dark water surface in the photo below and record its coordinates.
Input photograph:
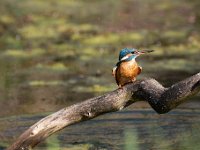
(138, 129)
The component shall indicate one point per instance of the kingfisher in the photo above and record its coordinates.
(126, 69)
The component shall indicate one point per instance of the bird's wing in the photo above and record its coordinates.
(139, 70)
(114, 71)
(117, 77)
(117, 74)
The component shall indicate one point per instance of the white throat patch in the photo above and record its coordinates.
(126, 57)
(123, 58)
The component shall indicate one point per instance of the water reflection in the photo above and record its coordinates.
(130, 139)
(128, 130)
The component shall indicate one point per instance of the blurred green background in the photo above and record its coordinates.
(57, 53)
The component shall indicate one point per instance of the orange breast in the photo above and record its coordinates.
(128, 69)
(126, 72)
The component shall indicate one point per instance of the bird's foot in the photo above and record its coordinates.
(133, 80)
(120, 86)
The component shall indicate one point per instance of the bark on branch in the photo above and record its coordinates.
(160, 98)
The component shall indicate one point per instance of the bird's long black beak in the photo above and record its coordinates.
(139, 52)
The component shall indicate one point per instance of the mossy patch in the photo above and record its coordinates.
(45, 83)
(102, 39)
(79, 147)
(6, 19)
(96, 88)
(24, 53)
(32, 31)
(54, 67)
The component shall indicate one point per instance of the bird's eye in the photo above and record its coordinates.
(133, 52)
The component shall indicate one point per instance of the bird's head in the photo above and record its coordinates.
(131, 53)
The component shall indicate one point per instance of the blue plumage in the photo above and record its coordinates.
(125, 51)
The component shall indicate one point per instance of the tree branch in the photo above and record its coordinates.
(160, 98)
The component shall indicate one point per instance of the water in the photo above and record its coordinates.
(138, 129)
(31, 88)
(57, 53)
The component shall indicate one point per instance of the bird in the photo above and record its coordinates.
(127, 69)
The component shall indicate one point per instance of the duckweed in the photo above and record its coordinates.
(24, 53)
